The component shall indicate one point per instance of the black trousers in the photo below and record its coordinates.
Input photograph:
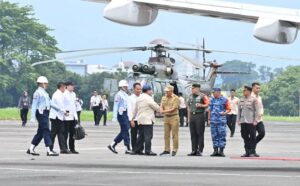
(78, 114)
(182, 114)
(104, 114)
(145, 136)
(197, 129)
(134, 132)
(58, 128)
(69, 133)
(97, 115)
(231, 122)
(260, 128)
(249, 135)
(23, 114)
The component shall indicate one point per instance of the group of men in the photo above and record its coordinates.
(137, 113)
(62, 110)
(99, 105)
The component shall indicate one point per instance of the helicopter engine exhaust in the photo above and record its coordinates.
(130, 13)
(145, 69)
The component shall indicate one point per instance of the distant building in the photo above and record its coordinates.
(92, 69)
(77, 67)
(123, 66)
(83, 69)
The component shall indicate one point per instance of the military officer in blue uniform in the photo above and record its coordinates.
(218, 108)
(120, 113)
(40, 107)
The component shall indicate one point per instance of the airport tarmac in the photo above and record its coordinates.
(279, 163)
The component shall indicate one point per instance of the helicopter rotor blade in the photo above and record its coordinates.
(256, 55)
(189, 60)
(235, 52)
(142, 48)
(79, 56)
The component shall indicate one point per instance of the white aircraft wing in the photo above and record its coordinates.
(272, 24)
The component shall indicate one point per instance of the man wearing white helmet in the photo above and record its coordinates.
(120, 113)
(40, 110)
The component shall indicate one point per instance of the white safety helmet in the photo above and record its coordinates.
(123, 83)
(42, 79)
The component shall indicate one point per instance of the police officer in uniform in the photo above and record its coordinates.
(120, 113)
(260, 127)
(40, 107)
(218, 108)
(197, 103)
(248, 116)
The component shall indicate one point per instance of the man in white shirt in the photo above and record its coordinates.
(134, 127)
(79, 104)
(57, 119)
(104, 109)
(231, 116)
(182, 109)
(95, 106)
(71, 117)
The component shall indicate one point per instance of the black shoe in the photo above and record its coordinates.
(128, 152)
(74, 151)
(231, 135)
(52, 153)
(215, 153)
(221, 152)
(252, 153)
(186, 125)
(256, 155)
(140, 153)
(199, 153)
(111, 148)
(32, 153)
(65, 152)
(173, 153)
(133, 153)
(246, 153)
(164, 153)
(150, 153)
(193, 153)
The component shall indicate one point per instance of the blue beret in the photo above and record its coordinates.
(146, 88)
(216, 89)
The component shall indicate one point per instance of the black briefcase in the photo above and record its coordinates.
(79, 132)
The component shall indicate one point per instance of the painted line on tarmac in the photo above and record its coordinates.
(144, 172)
(268, 158)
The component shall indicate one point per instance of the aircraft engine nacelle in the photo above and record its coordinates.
(130, 13)
(275, 31)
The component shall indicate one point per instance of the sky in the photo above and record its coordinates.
(78, 24)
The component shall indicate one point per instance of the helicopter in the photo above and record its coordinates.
(159, 71)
